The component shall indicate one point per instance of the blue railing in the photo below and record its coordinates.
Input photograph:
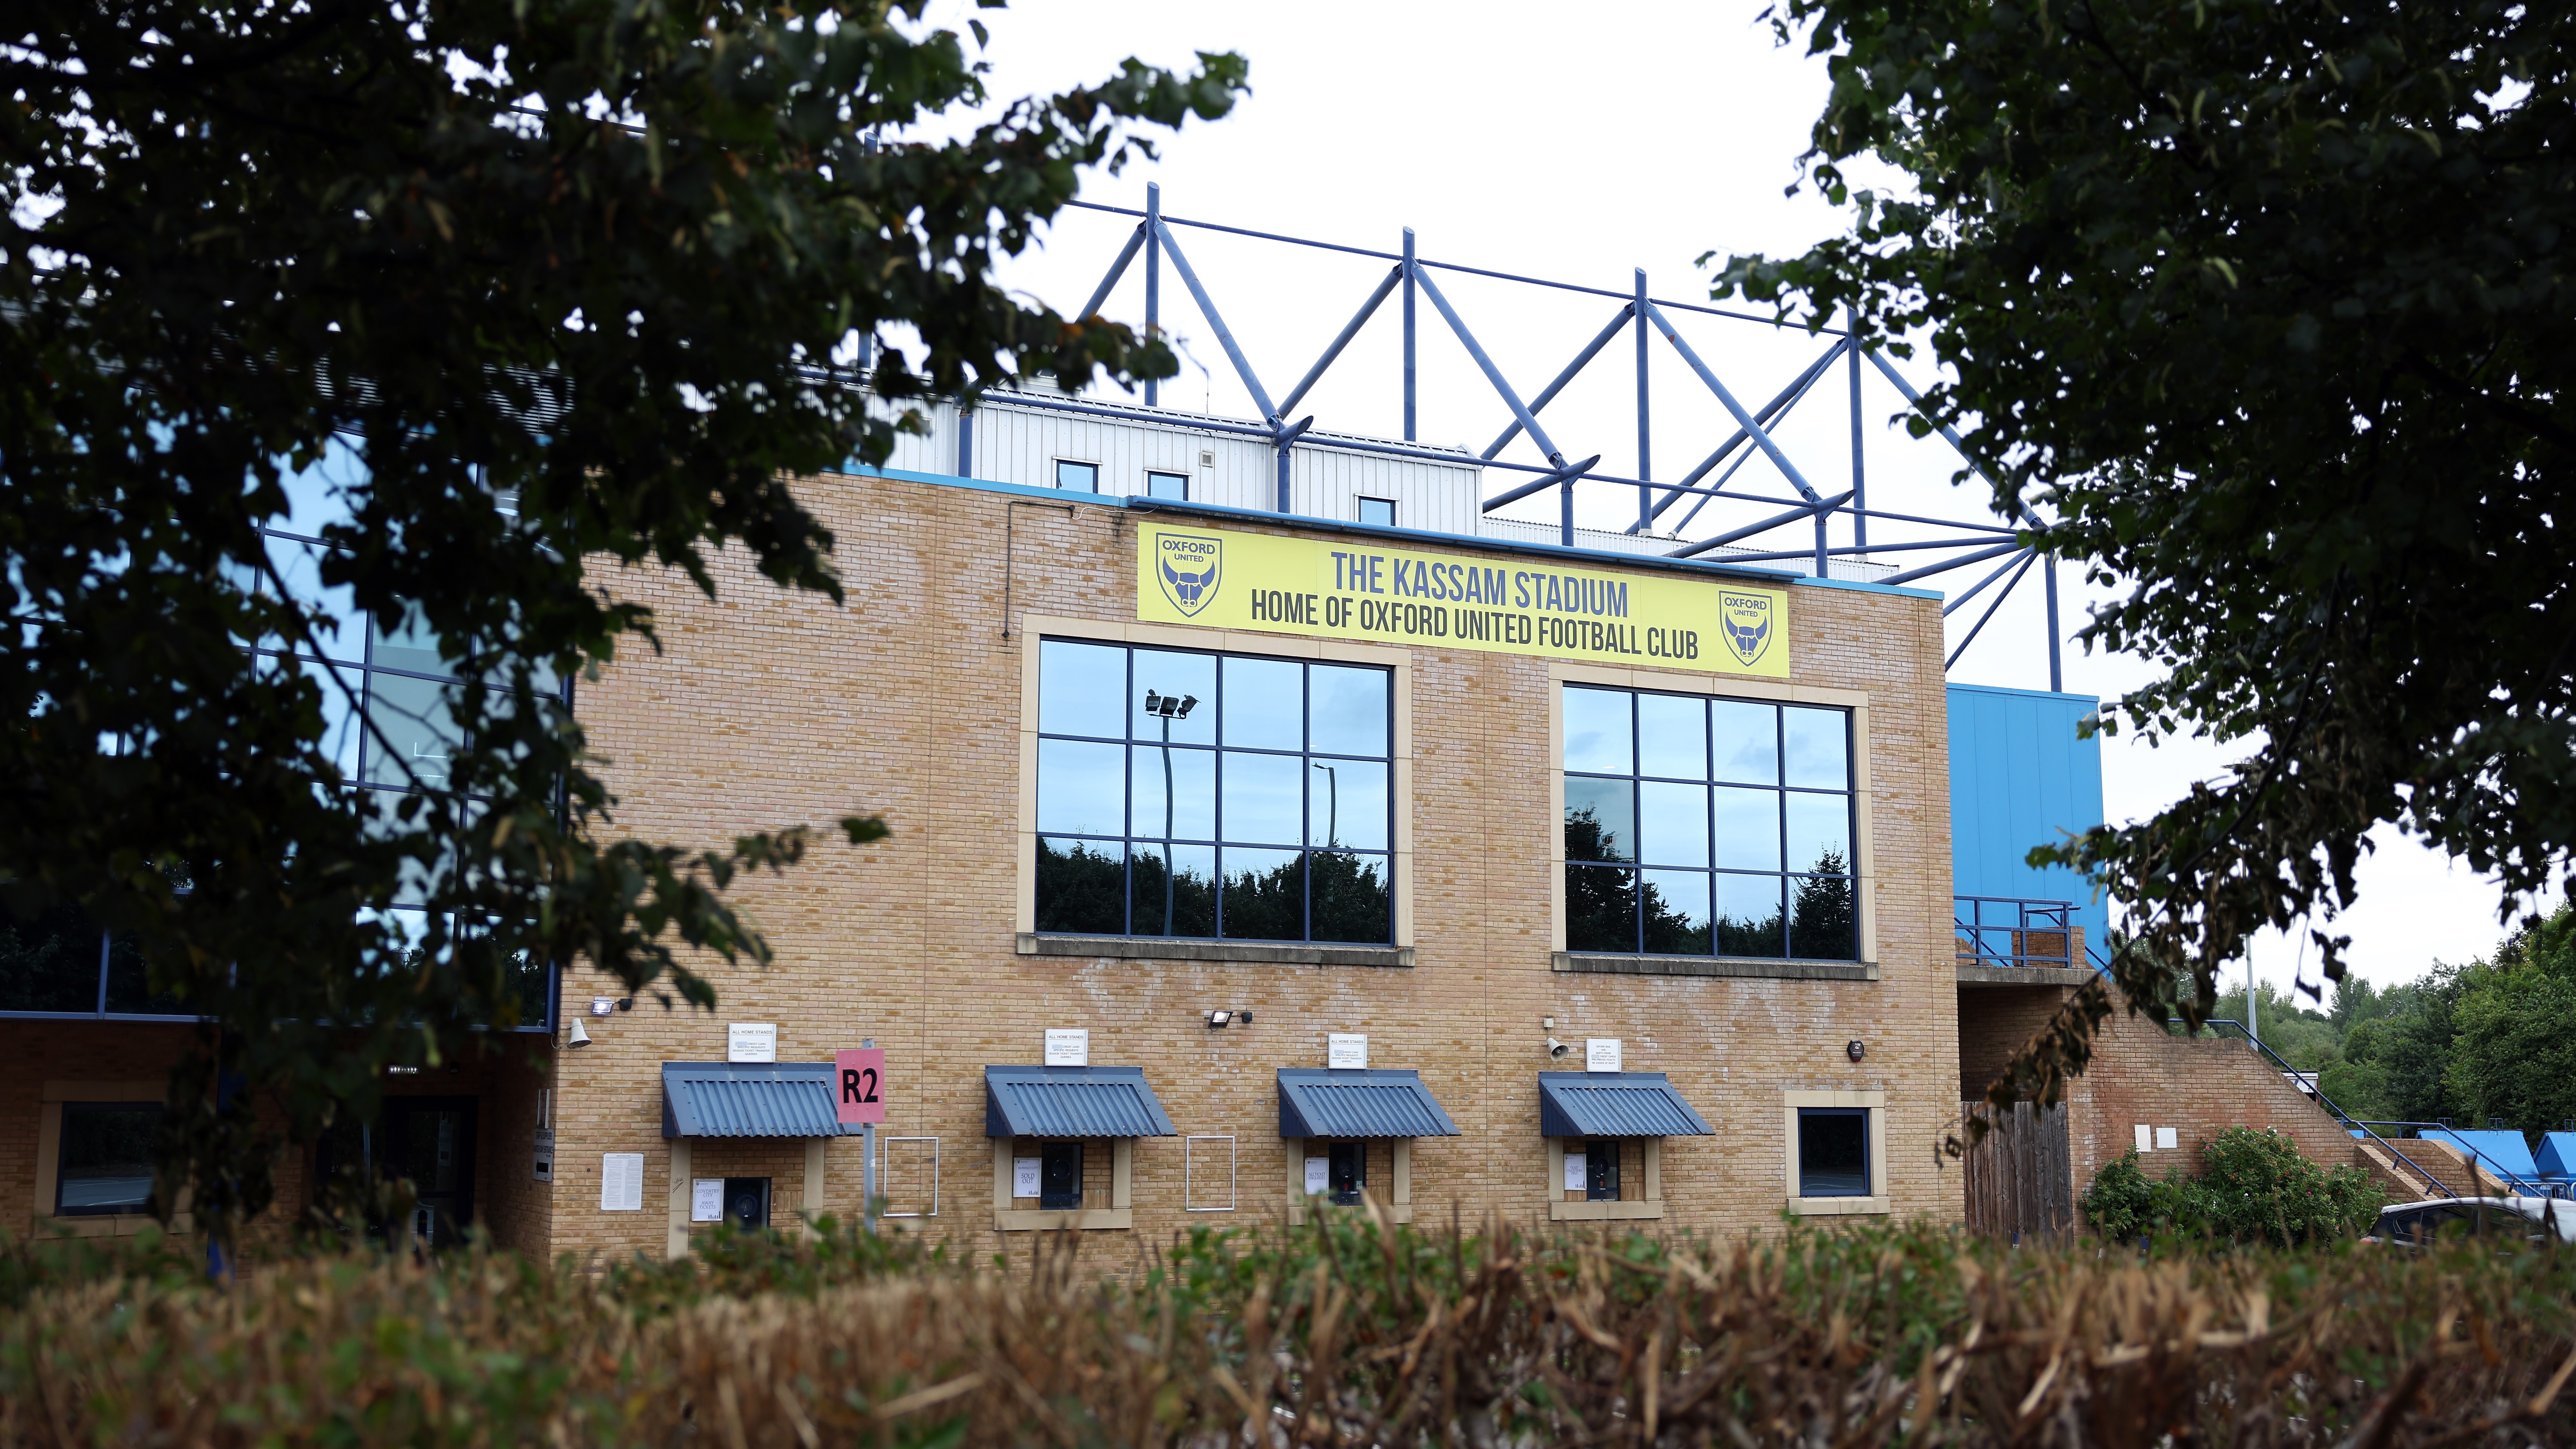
(2007, 931)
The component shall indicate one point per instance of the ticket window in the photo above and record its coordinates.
(1346, 1173)
(746, 1202)
(1054, 1176)
(1602, 1169)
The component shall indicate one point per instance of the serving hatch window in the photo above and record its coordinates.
(1230, 796)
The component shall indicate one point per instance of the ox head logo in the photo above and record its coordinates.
(1745, 620)
(1187, 565)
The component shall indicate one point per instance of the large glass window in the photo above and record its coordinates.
(1193, 794)
(1698, 827)
(106, 1161)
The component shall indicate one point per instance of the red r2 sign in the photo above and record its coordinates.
(859, 1084)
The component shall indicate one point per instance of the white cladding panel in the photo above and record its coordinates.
(1022, 445)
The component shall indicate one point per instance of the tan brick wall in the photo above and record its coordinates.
(765, 709)
(2201, 1086)
(1994, 1023)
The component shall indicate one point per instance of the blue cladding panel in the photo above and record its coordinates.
(749, 1099)
(2558, 1154)
(2497, 1152)
(1315, 1102)
(1072, 1102)
(2019, 777)
(1614, 1104)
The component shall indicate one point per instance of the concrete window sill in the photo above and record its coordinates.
(1980, 974)
(105, 1225)
(1721, 966)
(1035, 1220)
(1603, 1212)
(1827, 1207)
(1158, 948)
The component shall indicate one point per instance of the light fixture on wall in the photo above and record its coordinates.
(1855, 1050)
(1223, 1017)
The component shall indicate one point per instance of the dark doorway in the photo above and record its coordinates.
(427, 1141)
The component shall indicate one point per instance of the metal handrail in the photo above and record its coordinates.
(2028, 915)
(2349, 1121)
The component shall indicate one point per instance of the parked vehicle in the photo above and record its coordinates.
(2459, 1219)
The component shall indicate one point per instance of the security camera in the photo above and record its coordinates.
(1557, 1050)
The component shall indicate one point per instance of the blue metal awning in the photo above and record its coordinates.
(749, 1099)
(1377, 1102)
(1072, 1102)
(1614, 1104)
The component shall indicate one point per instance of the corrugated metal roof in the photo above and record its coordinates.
(1614, 1104)
(1376, 1102)
(1072, 1102)
(749, 1099)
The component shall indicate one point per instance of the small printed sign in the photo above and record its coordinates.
(1025, 1175)
(1068, 1046)
(1601, 1054)
(1578, 1177)
(706, 1199)
(2146, 1138)
(621, 1182)
(1319, 1176)
(859, 1075)
(1346, 1051)
(751, 1041)
(2168, 1139)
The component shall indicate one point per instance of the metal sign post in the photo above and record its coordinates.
(860, 1098)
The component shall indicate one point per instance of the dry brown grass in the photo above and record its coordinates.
(1353, 1334)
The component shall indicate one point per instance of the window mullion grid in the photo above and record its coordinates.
(1636, 824)
(1780, 801)
(1305, 806)
(1127, 802)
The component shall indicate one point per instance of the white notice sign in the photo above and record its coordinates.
(2167, 1139)
(1577, 1179)
(1024, 1176)
(621, 1182)
(1346, 1051)
(1601, 1054)
(1319, 1176)
(2146, 1138)
(751, 1041)
(706, 1199)
(1068, 1046)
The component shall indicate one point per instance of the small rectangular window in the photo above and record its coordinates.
(1060, 1175)
(746, 1202)
(1077, 477)
(1833, 1152)
(1349, 1172)
(1168, 485)
(1378, 511)
(1601, 1169)
(106, 1161)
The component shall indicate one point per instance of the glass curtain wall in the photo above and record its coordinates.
(1258, 808)
(386, 726)
(1707, 827)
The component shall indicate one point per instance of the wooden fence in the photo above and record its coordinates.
(2021, 1178)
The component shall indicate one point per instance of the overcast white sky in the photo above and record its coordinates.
(1574, 146)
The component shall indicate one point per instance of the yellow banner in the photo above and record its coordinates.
(1355, 589)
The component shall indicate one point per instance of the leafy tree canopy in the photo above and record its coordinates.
(563, 276)
(2264, 308)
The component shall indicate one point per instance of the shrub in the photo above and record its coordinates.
(2256, 1187)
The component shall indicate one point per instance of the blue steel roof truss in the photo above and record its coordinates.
(1376, 1102)
(1965, 542)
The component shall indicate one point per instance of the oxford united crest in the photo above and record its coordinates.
(1188, 565)
(1746, 620)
